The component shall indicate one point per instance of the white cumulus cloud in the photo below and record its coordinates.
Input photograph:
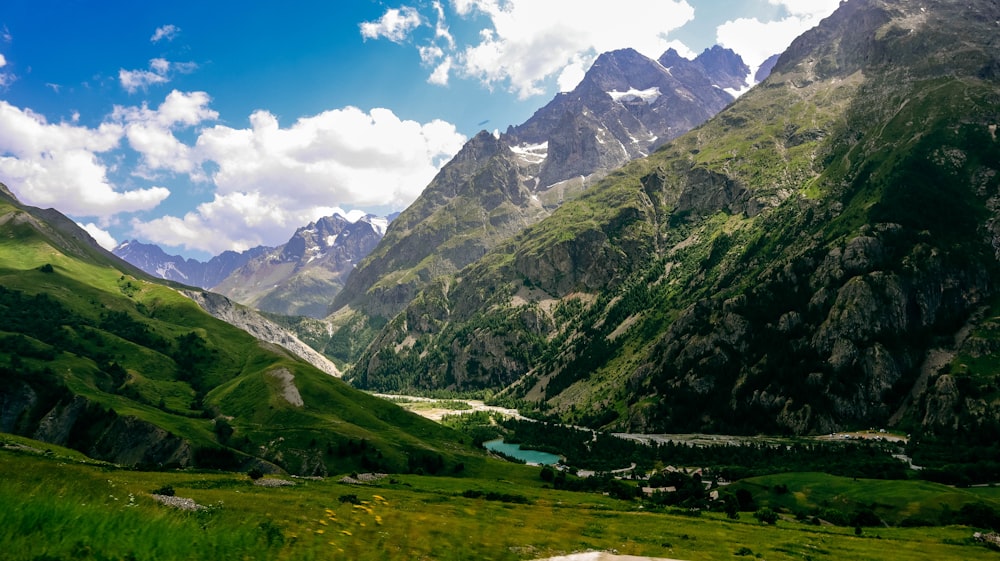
(151, 132)
(527, 43)
(394, 25)
(133, 80)
(441, 73)
(808, 8)
(532, 41)
(101, 236)
(5, 77)
(271, 179)
(58, 165)
(756, 40)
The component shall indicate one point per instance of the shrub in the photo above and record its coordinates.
(167, 490)
(766, 516)
(547, 474)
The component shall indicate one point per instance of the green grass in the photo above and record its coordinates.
(895, 502)
(56, 508)
(225, 372)
(990, 492)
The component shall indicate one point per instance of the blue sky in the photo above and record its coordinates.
(213, 125)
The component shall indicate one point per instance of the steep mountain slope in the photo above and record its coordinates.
(301, 276)
(153, 260)
(496, 186)
(820, 255)
(96, 355)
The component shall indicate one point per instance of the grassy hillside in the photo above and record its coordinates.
(119, 367)
(831, 499)
(71, 509)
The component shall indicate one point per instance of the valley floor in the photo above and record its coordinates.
(60, 505)
(603, 556)
(436, 409)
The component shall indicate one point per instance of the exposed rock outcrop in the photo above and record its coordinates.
(260, 327)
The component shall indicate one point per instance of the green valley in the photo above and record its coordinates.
(98, 356)
(774, 336)
(69, 507)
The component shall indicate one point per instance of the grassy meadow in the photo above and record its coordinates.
(56, 504)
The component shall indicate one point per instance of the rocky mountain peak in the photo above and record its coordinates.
(626, 105)
(479, 148)
(765, 68)
(300, 276)
(724, 67)
(204, 274)
(622, 70)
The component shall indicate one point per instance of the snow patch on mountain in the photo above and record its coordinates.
(380, 223)
(648, 95)
(532, 153)
(165, 270)
(736, 92)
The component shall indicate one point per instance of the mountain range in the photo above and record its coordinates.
(299, 277)
(626, 106)
(295, 278)
(499, 184)
(153, 260)
(648, 253)
(819, 255)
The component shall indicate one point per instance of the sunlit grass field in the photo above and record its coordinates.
(895, 502)
(56, 505)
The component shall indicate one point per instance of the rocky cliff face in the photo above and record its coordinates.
(260, 327)
(103, 435)
(496, 186)
(794, 265)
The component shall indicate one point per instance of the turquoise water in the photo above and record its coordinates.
(514, 451)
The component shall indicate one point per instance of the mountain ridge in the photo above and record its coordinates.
(203, 274)
(499, 184)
